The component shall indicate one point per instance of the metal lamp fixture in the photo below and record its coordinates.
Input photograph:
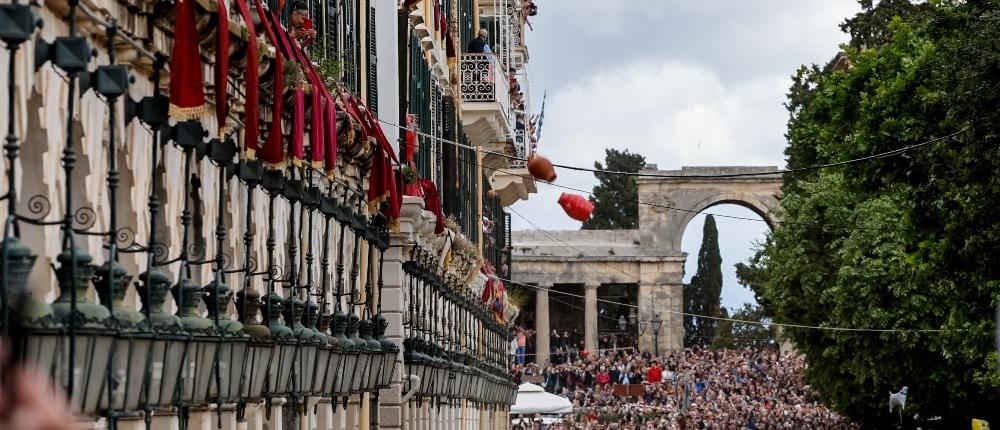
(308, 346)
(234, 350)
(260, 348)
(285, 347)
(342, 381)
(169, 346)
(128, 362)
(41, 345)
(202, 347)
(317, 377)
(389, 349)
(82, 372)
(377, 357)
(364, 355)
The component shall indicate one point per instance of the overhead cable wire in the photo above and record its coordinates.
(760, 323)
(658, 205)
(885, 154)
(566, 245)
(691, 211)
(555, 240)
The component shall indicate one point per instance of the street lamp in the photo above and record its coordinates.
(622, 324)
(657, 323)
(92, 339)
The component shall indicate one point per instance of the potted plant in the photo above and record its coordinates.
(411, 182)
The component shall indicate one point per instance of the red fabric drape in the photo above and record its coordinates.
(330, 137)
(272, 154)
(187, 92)
(432, 202)
(317, 130)
(251, 127)
(222, 67)
(411, 137)
(298, 149)
(382, 187)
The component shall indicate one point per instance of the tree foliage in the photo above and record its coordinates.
(616, 197)
(736, 335)
(703, 295)
(908, 242)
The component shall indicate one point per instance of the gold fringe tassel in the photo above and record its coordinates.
(186, 113)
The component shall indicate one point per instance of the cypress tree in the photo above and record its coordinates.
(703, 296)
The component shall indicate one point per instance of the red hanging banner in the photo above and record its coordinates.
(187, 86)
(251, 127)
(222, 67)
(273, 154)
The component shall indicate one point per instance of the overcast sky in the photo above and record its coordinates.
(685, 83)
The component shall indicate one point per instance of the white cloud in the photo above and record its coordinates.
(681, 82)
(674, 114)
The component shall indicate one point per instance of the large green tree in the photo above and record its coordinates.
(906, 243)
(703, 295)
(616, 197)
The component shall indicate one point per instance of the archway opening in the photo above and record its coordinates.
(740, 229)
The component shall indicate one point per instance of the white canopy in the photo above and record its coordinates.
(532, 399)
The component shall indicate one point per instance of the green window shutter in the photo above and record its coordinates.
(372, 63)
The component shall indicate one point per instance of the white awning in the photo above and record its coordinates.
(532, 399)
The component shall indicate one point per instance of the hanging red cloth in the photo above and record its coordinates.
(251, 128)
(330, 136)
(317, 148)
(411, 137)
(577, 207)
(382, 187)
(296, 151)
(222, 67)
(432, 202)
(317, 130)
(493, 292)
(298, 126)
(273, 154)
(187, 86)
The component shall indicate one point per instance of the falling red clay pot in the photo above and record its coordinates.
(541, 168)
(577, 207)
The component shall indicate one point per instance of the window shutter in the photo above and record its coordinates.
(372, 63)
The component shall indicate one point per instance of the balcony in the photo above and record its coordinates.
(514, 183)
(486, 111)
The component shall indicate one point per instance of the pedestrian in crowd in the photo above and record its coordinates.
(692, 389)
(301, 24)
(522, 341)
(479, 45)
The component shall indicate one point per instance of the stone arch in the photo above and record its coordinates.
(680, 195)
(754, 203)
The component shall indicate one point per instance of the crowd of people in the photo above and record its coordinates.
(692, 389)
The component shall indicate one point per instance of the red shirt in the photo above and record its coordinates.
(654, 375)
(603, 378)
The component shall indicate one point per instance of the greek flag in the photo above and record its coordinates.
(541, 117)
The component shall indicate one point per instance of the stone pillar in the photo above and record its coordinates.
(542, 323)
(324, 414)
(590, 317)
(665, 301)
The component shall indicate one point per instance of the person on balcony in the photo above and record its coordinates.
(480, 45)
(301, 24)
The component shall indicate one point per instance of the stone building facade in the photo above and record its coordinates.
(648, 259)
(126, 220)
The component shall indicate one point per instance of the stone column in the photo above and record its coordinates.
(590, 317)
(542, 323)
